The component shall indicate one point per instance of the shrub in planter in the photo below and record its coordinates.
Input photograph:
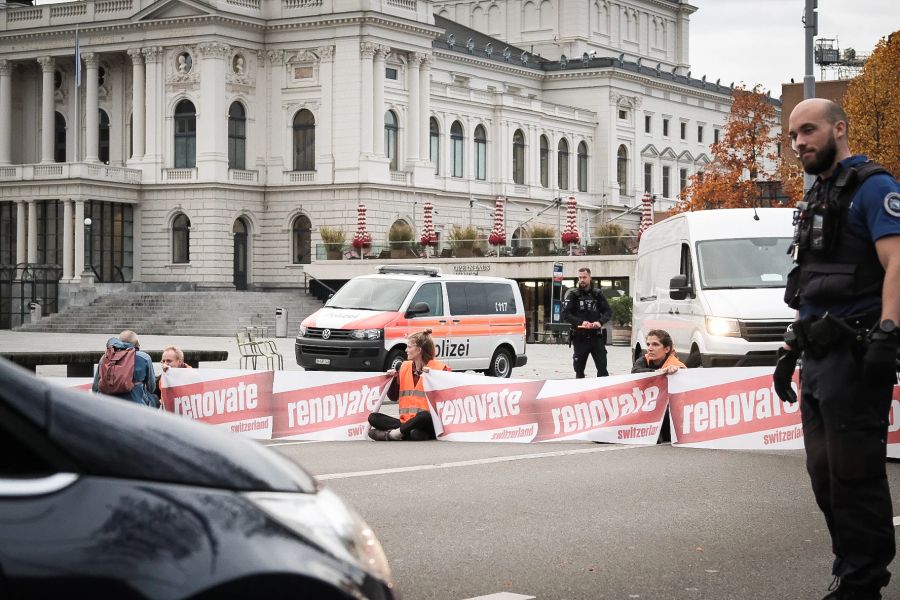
(463, 239)
(611, 238)
(542, 237)
(622, 307)
(333, 238)
(400, 237)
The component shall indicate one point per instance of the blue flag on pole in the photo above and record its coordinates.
(77, 60)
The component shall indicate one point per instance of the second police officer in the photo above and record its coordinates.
(587, 310)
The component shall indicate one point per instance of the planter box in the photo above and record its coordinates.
(621, 336)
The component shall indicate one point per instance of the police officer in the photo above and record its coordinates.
(846, 288)
(586, 309)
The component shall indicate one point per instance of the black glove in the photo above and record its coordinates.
(880, 361)
(784, 374)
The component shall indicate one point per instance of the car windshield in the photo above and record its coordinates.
(744, 263)
(371, 294)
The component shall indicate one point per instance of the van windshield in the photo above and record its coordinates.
(744, 263)
(364, 293)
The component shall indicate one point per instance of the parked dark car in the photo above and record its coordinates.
(102, 498)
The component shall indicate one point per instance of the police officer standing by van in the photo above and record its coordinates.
(846, 288)
(586, 310)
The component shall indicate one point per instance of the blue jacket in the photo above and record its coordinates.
(143, 374)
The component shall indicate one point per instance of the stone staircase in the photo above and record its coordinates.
(180, 313)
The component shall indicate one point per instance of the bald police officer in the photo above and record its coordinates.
(846, 289)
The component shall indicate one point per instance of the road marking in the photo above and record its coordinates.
(503, 596)
(469, 463)
(896, 521)
(292, 443)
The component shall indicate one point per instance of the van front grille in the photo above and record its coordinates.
(333, 334)
(324, 350)
(763, 331)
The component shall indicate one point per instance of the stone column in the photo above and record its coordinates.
(152, 109)
(68, 256)
(91, 108)
(425, 107)
(5, 112)
(79, 240)
(378, 100)
(32, 231)
(212, 117)
(48, 120)
(138, 100)
(413, 125)
(324, 141)
(366, 52)
(21, 222)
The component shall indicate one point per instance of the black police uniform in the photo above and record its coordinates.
(591, 306)
(836, 287)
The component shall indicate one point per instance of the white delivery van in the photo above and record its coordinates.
(477, 323)
(714, 279)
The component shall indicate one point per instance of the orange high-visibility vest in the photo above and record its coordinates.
(412, 395)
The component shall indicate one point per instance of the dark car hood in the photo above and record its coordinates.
(117, 438)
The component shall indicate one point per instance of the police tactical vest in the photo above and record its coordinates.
(834, 264)
(586, 306)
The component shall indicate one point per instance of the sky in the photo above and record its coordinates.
(762, 41)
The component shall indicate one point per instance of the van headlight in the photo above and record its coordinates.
(302, 331)
(366, 334)
(326, 521)
(723, 327)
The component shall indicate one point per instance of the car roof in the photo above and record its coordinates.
(442, 277)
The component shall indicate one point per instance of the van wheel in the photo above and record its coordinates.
(394, 359)
(501, 364)
(694, 359)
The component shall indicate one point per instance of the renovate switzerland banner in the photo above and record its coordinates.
(893, 449)
(266, 405)
(473, 408)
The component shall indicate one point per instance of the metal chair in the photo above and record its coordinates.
(250, 351)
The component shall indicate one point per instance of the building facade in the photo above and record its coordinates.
(206, 142)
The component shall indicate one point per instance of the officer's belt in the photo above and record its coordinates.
(818, 335)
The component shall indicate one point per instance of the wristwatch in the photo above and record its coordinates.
(887, 326)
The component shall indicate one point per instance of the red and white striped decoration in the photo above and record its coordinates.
(428, 236)
(498, 234)
(646, 214)
(570, 232)
(361, 239)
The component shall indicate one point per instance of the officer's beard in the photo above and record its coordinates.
(823, 159)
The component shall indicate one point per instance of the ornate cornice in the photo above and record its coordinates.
(326, 53)
(214, 50)
(152, 54)
(276, 57)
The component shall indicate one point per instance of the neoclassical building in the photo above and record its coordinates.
(205, 142)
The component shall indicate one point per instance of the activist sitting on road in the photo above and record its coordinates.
(126, 372)
(660, 354)
(408, 388)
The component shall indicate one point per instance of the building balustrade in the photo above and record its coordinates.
(243, 176)
(179, 175)
(69, 171)
(300, 176)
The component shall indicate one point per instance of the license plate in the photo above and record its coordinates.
(323, 361)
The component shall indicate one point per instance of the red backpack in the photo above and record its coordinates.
(117, 371)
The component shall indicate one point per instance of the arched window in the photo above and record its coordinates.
(304, 141)
(181, 239)
(434, 150)
(390, 138)
(518, 157)
(237, 136)
(59, 138)
(545, 162)
(582, 167)
(562, 164)
(480, 153)
(456, 149)
(185, 135)
(103, 138)
(622, 169)
(301, 240)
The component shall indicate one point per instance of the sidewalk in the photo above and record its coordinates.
(545, 361)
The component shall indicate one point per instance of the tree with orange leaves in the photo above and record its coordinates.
(740, 157)
(872, 105)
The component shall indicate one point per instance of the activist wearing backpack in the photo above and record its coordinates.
(117, 371)
(126, 372)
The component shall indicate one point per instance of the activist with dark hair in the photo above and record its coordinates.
(660, 354)
(586, 310)
(408, 388)
(846, 289)
(138, 384)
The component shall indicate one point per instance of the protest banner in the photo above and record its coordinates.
(893, 439)
(326, 405)
(732, 408)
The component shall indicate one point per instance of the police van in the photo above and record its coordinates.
(477, 323)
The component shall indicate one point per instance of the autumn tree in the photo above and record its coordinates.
(740, 157)
(872, 104)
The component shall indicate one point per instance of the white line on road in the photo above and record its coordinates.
(468, 463)
(503, 596)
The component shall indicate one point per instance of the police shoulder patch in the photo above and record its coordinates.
(892, 204)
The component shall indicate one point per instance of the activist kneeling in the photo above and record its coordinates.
(408, 388)
(660, 354)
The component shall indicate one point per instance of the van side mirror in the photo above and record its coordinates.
(679, 287)
(419, 308)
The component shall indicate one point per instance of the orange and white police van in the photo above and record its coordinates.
(477, 323)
